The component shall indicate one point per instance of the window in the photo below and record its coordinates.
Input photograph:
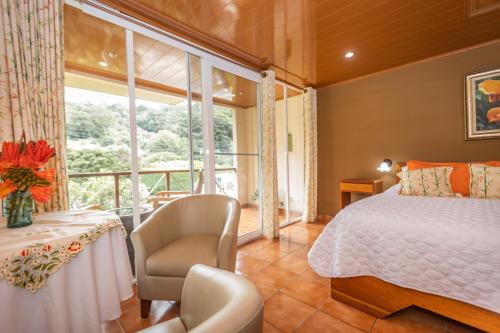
(155, 119)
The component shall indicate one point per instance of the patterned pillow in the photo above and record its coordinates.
(429, 182)
(484, 181)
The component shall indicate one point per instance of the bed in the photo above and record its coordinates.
(388, 252)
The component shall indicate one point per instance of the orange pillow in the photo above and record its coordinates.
(460, 177)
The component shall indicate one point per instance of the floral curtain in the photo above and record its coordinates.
(269, 159)
(310, 156)
(32, 81)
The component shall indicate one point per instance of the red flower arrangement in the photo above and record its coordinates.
(21, 169)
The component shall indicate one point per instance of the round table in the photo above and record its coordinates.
(88, 273)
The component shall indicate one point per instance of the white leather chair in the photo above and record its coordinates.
(199, 229)
(215, 301)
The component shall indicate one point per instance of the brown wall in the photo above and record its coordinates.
(410, 112)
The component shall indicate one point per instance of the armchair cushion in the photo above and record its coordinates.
(178, 257)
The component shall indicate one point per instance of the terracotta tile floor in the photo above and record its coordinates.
(249, 220)
(296, 299)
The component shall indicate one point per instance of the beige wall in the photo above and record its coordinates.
(411, 112)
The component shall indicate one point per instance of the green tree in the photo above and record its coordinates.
(98, 137)
(80, 124)
(98, 160)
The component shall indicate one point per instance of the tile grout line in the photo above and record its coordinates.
(371, 327)
(316, 309)
(278, 290)
(290, 243)
(269, 263)
(120, 326)
(269, 323)
(342, 320)
(310, 316)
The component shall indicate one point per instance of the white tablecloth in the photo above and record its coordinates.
(79, 297)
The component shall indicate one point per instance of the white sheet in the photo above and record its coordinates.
(444, 246)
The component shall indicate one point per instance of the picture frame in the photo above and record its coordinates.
(482, 105)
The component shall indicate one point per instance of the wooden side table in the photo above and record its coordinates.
(365, 186)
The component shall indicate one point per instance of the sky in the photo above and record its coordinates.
(75, 95)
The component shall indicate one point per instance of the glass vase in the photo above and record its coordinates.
(18, 206)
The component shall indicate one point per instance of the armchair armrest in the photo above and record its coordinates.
(156, 232)
(228, 244)
(146, 240)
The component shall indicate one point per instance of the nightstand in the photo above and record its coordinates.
(364, 186)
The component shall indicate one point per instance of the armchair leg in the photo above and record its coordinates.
(145, 308)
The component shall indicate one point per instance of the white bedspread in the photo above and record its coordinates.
(444, 246)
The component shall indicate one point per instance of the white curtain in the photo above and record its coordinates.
(32, 81)
(269, 159)
(310, 156)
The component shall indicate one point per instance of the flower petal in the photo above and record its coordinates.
(39, 152)
(41, 193)
(10, 153)
(6, 187)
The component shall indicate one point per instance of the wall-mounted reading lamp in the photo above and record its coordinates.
(385, 166)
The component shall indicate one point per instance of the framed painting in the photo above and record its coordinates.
(482, 107)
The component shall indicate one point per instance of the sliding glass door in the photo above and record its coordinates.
(295, 147)
(236, 144)
(97, 113)
(290, 153)
(165, 119)
(282, 153)
(162, 122)
(196, 120)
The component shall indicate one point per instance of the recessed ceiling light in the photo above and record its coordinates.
(233, 95)
(112, 54)
(349, 54)
(231, 8)
(103, 64)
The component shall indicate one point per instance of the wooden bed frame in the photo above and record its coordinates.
(380, 299)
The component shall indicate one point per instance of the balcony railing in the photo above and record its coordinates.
(116, 176)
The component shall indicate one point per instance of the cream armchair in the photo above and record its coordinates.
(199, 229)
(214, 300)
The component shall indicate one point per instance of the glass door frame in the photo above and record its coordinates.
(285, 88)
(209, 60)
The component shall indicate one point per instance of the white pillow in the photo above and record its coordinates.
(429, 182)
(484, 181)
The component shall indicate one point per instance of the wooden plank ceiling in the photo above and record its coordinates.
(385, 34)
(158, 66)
(303, 40)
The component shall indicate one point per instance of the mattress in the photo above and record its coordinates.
(444, 246)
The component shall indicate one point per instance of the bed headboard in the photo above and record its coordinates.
(399, 167)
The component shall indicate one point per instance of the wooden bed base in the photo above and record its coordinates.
(380, 299)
